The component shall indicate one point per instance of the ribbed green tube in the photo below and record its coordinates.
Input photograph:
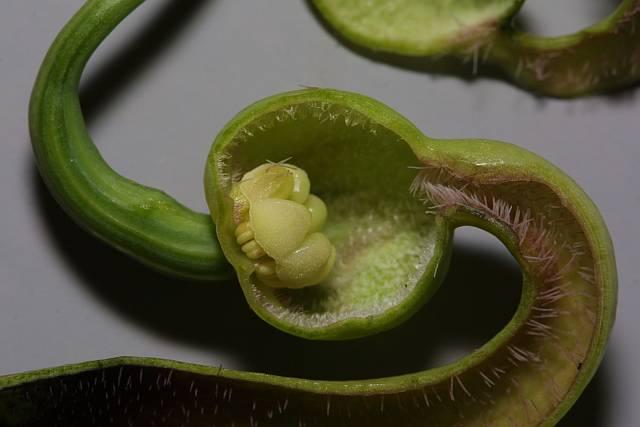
(140, 221)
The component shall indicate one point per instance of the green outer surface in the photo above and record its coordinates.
(140, 221)
(605, 56)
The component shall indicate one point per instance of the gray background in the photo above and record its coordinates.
(155, 96)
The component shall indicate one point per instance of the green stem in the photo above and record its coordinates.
(140, 221)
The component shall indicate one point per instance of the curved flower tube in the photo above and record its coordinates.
(603, 57)
(391, 198)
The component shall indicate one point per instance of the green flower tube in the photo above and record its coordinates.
(337, 215)
(605, 56)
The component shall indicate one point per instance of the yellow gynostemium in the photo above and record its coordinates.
(278, 226)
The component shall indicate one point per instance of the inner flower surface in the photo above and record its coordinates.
(375, 260)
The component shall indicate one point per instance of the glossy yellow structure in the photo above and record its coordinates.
(279, 224)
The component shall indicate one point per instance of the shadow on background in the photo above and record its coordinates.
(119, 72)
(592, 409)
(478, 298)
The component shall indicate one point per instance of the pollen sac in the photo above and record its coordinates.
(279, 226)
